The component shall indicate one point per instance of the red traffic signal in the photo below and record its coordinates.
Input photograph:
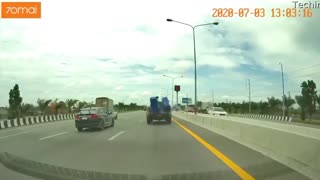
(177, 88)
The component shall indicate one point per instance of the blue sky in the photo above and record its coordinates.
(121, 49)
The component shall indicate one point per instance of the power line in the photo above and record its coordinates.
(307, 74)
(305, 68)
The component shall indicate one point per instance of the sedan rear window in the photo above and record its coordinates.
(88, 111)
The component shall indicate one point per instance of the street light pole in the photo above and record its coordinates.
(283, 105)
(195, 71)
(194, 54)
(249, 96)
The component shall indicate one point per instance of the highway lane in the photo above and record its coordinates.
(134, 147)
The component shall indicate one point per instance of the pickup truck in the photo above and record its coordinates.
(113, 114)
(159, 110)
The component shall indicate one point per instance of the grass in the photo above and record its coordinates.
(313, 122)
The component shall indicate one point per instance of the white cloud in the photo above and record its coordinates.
(121, 49)
(119, 88)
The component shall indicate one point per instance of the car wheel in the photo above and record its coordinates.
(149, 121)
(79, 129)
(101, 126)
(112, 124)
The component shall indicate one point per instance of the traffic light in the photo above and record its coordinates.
(177, 88)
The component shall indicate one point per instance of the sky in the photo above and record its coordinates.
(121, 49)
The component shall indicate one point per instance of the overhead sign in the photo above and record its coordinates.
(186, 100)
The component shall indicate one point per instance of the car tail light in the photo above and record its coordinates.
(78, 117)
(94, 116)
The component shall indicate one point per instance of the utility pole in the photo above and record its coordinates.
(249, 96)
(283, 106)
(213, 98)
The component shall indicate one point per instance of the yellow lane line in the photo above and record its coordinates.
(236, 168)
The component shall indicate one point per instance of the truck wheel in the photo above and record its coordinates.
(169, 121)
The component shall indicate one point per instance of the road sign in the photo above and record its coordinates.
(186, 100)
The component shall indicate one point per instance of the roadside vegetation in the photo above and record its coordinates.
(308, 102)
(18, 108)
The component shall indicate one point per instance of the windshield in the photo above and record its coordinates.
(209, 89)
(218, 109)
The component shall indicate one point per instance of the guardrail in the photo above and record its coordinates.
(268, 117)
(296, 146)
(34, 120)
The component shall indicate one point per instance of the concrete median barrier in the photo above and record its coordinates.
(34, 120)
(296, 146)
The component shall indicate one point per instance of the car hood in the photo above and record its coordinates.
(52, 172)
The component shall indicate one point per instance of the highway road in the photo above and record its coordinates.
(133, 147)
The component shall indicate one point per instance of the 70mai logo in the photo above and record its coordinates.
(21, 10)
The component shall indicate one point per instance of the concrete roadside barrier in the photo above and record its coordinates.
(33, 120)
(296, 146)
(268, 117)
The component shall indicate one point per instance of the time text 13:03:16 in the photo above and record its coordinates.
(262, 12)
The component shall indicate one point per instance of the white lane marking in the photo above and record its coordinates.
(33, 126)
(11, 135)
(116, 135)
(52, 136)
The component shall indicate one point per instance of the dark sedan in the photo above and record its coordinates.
(94, 117)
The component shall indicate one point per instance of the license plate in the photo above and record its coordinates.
(84, 118)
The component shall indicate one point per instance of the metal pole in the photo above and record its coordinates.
(177, 98)
(249, 97)
(283, 106)
(213, 98)
(195, 70)
(172, 91)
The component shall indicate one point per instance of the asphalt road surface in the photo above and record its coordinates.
(133, 147)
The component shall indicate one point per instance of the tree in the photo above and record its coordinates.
(119, 107)
(288, 102)
(15, 101)
(132, 106)
(70, 103)
(80, 105)
(43, 104)
(57, 106)
(310, 96)
(26, 108)
(274, 104)
(89, 104)
(318, 100)
(303, 104)
(263, 107)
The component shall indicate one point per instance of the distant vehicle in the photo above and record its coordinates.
(190, 109)
(104, 102)
(115, 114)
(217, 111)
(94, 117)
(159, 110)
(107, 103)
